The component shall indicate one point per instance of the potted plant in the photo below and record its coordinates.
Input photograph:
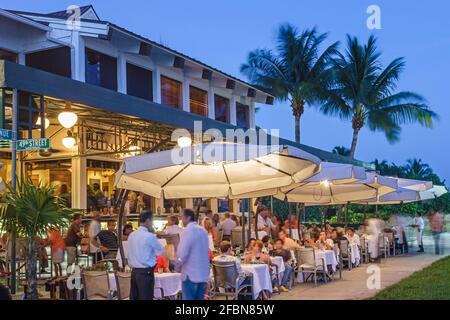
(32, 211)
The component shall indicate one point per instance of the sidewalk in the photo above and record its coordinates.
(353, 285)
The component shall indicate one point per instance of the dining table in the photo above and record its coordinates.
(166, 284)
(278, 261)
(261, 277)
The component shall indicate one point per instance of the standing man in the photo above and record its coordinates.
(436, 220)
(73, 238)
(143, 247)
(419, 225)
(193, 258)
(264, 223)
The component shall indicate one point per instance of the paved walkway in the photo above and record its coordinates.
(353, 285)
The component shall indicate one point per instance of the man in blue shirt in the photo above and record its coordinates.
(143, 247)
(193, 258)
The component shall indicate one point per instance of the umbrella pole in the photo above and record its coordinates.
(346, 214)
(123, 195)
(290, 223)
(243, 225)
(299, 212)
(271, 204)
(249, 221)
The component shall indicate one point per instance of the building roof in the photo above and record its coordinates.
(85, 9)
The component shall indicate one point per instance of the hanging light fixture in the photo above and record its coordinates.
(67, 118)
(134, 150)
(69, 141)
(184, 141)
(46, 122)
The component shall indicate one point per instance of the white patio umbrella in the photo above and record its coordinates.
(417, 185)
(333, 184)
(358, 190)
(215, 170)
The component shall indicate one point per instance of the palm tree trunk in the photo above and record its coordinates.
(297, 110)
(32, 293)
(354, 142)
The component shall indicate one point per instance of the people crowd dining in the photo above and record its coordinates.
(200, 244)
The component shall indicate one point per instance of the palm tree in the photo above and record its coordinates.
(363, 92)
(296, 72)
(343, 151)
(418, 169)
(32, 211)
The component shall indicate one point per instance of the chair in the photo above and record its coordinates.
(306, 259)
(236, 238)
(382, 246)
(96, 285)
(392, 246)
(172, 239)
(345, 253)
(226, 276)
(339, 260)
(219, 238)
(123, 284)
(364, 250)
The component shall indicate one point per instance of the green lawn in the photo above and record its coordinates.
(431, 283)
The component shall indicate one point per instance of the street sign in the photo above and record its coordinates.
(6, 134)
(5, 144)
(33, 144)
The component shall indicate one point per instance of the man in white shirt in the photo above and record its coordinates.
(172, 226)
(419, 225)
(227, 226)
(264, 222)
(352, 237)
(226, 255)
(93, 231)
(143, 247)
(193, 258)
(288, 243)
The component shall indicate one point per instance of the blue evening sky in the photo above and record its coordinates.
(221, 33)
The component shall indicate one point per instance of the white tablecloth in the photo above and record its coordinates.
(163, 242)
(328, 256)
(280, 264)
(356, 257)
(294, 234)
(169, 282)
(261, 277)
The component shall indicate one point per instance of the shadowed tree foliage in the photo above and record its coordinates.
(341, 150)
(296, 71)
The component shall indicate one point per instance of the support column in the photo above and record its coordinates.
(157, 85)
(79, 183)
(233, 120)
(189, 203)
(211, 105)
(213, 204)
(121, 73)
(78, 56)
(185, 92)
(251, 121)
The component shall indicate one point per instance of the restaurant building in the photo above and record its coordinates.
(128, 93)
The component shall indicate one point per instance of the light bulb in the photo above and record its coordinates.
(46, 123)
(67, 119)
(135, 150)
(325, 183)
(69, 141)
(184, 142)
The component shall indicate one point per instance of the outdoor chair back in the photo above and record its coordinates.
(236, 237)
(123, 284)
(344, 248)
(305, 256)
(225, 274)
(96, 285)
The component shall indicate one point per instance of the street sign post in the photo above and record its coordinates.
(33, 144)
(6, 134)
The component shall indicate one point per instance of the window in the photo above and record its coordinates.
(171, 92)
(242, 115)
(222, 108)
(101, 70)
(8, 55)
(198, 100)
(55, 61)
(139, 82)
